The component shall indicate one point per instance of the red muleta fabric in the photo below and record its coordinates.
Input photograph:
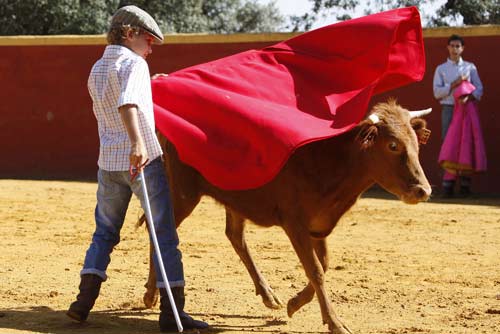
(238, 119)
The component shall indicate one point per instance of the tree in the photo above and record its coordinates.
(48, 17)
(323, 7)
(215, 16)
(345, 9)
(470, 12)
(181, 16)
(235, 17)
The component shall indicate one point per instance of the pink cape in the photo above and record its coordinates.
(463, 151)
(237, 119)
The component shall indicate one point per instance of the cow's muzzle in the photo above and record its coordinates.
(417, 193)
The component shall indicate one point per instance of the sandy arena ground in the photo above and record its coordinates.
(395, 268)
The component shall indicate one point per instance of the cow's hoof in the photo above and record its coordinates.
(150, 299)
(302, 298)
(270, 299)
(339, 328)
(293, 306)
(341, 331)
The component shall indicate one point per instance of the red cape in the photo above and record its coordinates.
(238, 119)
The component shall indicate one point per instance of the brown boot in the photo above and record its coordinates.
(167, 319)
(89, 290)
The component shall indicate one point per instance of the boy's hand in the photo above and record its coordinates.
(458, 80)
(465, 98)
(157, 75)
(138, 155)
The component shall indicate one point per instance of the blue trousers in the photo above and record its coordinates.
(113, 196)
(446, 116)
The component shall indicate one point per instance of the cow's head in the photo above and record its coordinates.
(389, 140)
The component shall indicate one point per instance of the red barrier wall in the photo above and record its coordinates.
(47, 129)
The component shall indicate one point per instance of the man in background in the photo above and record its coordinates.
(447, 77)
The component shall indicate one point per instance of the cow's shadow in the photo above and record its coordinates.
(474, 199)
(43, 319)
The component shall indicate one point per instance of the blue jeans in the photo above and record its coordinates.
(113, 196)
(446, 116)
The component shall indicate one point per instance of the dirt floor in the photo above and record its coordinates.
(395, 268)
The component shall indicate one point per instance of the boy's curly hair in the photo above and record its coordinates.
(118, 32)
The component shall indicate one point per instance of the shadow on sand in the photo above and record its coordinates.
(473, 199)
(43, 319)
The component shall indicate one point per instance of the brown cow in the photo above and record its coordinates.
(317, 185)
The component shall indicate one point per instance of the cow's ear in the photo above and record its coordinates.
(419, 126)
(367, 134)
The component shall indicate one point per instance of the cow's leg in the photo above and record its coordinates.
(151, 295)
(235, 232)
(184, 207)
(185, 197)
(302, 243)
(307, 294)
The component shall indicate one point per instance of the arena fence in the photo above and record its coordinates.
(47, 128)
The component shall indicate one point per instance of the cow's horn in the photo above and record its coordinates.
(374, 118)
(420, 113)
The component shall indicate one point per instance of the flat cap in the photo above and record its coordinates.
(136, 17)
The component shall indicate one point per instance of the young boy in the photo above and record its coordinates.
(120, 87)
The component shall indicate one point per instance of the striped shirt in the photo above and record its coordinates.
(447, 72)
(121, 77)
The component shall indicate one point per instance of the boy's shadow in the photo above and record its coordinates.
(43, 319)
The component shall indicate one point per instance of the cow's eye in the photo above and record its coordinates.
(393, 146)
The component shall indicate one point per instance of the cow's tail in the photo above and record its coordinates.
(141, 221)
